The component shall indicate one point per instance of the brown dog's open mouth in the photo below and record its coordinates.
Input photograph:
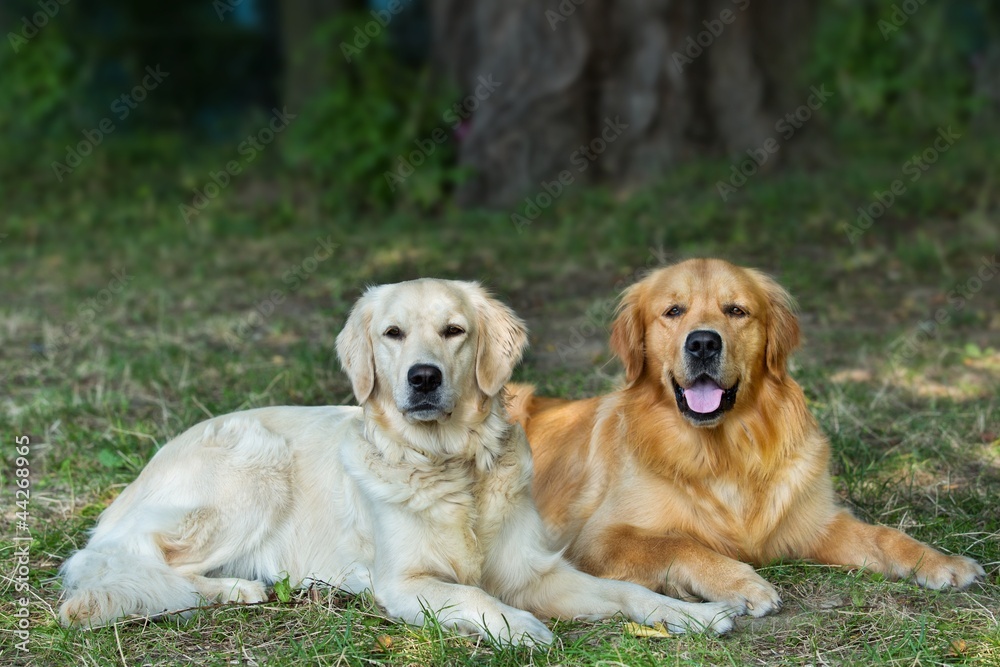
(704, 400)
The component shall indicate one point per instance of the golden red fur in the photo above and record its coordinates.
(708, 460)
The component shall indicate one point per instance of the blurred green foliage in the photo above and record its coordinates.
(897, 76)
(904, 66)
(352, 137)
(38, 84)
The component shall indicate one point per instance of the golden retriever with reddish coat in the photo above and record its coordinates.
(708, 460)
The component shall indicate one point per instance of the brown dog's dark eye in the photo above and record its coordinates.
(735, 311)
(393, 332)
(453, 330)
(673, 311)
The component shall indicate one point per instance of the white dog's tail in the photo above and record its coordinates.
(102, 587)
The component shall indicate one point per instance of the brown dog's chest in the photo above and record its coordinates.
(736, 518)
(737, 493)
(739, 516)
(750, 514)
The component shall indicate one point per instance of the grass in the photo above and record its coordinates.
(99, 377)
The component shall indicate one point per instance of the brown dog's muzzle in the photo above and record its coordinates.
(704, 399)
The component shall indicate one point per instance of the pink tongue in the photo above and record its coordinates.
(703, 396)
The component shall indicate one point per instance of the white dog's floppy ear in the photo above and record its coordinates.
(354, 348)
(628, 333)
(502, 339)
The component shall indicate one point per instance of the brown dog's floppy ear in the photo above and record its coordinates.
(354, 348)
(628, 334)
(502, 339)
(782, 325)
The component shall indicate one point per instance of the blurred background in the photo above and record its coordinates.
(483, 102)
(554, 149)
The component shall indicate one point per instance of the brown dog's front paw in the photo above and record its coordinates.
(742, 588)
(949, 572)
(760, 597)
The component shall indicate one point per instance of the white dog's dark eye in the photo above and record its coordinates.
(393, 332)
(673, 311)
(453, 330)
(735, 311)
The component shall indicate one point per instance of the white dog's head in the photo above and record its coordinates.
(429, 347)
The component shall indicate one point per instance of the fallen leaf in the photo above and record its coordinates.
(656, 630)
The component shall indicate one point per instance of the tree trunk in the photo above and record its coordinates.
(615, 92)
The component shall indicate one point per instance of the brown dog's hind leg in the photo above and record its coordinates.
(855, 544)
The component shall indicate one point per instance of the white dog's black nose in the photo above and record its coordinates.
(703, 344)
(424, 378)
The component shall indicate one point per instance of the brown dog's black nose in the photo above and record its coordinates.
(424, 378)
(703, 344)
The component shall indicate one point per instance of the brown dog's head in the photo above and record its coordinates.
(707, 331)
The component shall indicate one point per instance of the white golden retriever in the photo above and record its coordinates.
(422, 495)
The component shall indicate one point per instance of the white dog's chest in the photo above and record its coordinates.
(440, 515)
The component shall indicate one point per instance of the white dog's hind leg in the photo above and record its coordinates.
(205, 505)
(229, 589)
(103, 587)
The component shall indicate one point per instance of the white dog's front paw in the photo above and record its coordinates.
(521, 629)
(714, 617)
